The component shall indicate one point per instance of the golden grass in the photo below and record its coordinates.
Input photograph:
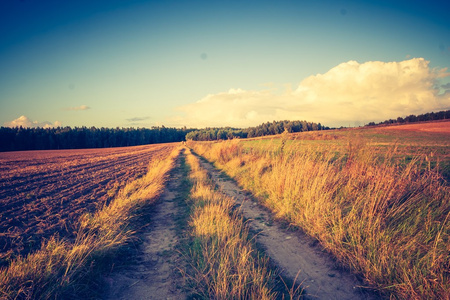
(388, 221)
(224, 263)
(59, 269)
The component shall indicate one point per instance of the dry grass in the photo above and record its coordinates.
(60, 268)
(224, 264)
(388, 221)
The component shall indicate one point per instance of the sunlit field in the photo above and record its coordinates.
(224, 149)
(377, 198)
(428, 141)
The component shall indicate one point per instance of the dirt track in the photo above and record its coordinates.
(292, 251)
(154, 274)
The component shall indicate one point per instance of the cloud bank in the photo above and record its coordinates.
(351, 93)
(27, 123)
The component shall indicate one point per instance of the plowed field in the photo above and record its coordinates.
(45, 192)
(440, 126)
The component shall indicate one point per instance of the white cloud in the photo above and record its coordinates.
(27, 123)
(348, 94)
(81, 107)
(372, 91)
(233, 108)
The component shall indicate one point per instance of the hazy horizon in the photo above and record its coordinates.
(215, 64)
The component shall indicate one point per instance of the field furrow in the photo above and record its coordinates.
(45, 192)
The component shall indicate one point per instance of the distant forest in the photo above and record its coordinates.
(269, 128)
(18, 138)
(442, 115)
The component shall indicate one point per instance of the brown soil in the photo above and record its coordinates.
(438, 126)
(155, 271)
(45, 192)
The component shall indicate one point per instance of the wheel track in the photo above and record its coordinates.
(154, 271)
(293, 252)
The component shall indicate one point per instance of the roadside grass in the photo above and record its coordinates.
(65, 270)
(385, 219)
(223, 261)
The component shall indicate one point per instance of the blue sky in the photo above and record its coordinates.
(220, 63)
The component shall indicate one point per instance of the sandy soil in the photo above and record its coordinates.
(293, 252)
(155, 273)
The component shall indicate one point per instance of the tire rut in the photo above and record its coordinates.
(293, 252)
(154, 274)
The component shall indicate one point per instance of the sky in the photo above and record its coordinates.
(135, 63)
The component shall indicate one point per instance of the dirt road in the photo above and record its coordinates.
(292, 252)
(155, 275)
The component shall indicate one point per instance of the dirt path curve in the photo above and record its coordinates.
(154, 275)
(292, 251)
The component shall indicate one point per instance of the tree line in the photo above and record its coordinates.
(269, 128)
(432, 116)
(19, 138)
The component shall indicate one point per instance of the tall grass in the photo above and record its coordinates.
(382, 218)
(61, 269)
(224, 263)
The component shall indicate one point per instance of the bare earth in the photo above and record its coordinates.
(437, 126)
(292, 252)
(45, 192)
(155, 274)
